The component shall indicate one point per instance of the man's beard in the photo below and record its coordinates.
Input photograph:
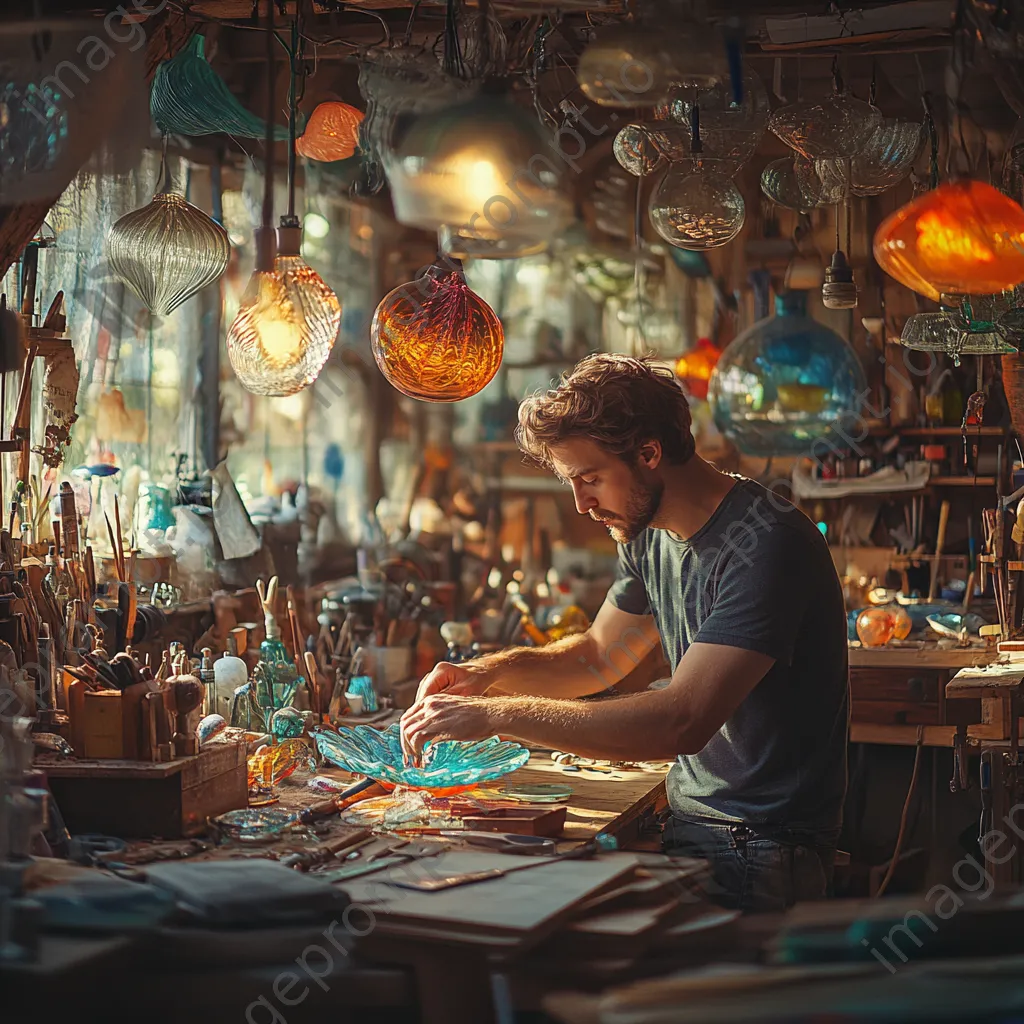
(641, 508)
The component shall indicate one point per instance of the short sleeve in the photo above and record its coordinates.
(628, 592)
(759, 601)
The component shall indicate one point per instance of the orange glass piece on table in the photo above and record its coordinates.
(332, 133)
(694, 368)
(962, 238)
(902, 623)
(875, 627)
(435, 339)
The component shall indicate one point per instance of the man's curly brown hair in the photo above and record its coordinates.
(618, 402)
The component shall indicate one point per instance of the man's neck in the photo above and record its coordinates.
(692, 494)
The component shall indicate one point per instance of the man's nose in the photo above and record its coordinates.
(584, 501)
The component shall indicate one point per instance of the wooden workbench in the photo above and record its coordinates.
(895, 691)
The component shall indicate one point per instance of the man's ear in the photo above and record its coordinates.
(650, 454)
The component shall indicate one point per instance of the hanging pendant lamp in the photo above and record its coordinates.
(332, 133)
(288, 320)
(168, 250)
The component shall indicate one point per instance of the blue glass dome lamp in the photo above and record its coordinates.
(785, 383)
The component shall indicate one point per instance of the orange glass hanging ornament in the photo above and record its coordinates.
(435, 339)
(332, 132)
(875, 627)
(695, 367)
(962, 238)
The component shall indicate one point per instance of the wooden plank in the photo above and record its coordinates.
(906, 735)
(895, 685)
(999, 681)
(612, 803)
(891, 712)
(926, 657)
(523, 906)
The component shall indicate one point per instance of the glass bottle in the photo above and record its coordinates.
(275, 678)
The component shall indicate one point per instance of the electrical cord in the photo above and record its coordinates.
(902, 834)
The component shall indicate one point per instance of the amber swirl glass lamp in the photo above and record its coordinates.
(435, 339)
(962, 238)
(332, 132)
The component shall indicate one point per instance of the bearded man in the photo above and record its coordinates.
(739, 588)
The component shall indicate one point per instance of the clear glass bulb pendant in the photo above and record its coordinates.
(696, 209)
(286, 324)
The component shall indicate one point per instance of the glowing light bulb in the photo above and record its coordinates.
(316, 225)
(287, 322)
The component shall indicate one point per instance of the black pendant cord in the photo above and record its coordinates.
(268, 142)
(293, 58)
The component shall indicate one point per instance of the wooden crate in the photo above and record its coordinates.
(144, 800)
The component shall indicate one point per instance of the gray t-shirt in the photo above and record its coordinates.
(758, 575)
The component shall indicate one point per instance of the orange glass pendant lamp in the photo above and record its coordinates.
(962, 238)
(332, 132)
(435, 339)
(287, 322)
(695, 367)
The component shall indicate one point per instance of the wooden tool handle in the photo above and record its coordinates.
(940, 543)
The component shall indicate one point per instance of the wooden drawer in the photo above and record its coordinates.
(897, 696)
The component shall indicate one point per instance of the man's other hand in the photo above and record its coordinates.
(458, 680)
(444, 716)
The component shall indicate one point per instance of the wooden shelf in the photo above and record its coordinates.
(939, 431)
(962, 481)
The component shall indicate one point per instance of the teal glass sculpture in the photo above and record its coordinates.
(377, 754)
(275, 679)
(189, 98)
(362, 686)
(786, 383)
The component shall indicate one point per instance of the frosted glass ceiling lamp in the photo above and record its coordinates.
(482, 174)
(168, 250)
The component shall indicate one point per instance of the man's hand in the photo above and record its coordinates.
(458, 680)
(444, 716)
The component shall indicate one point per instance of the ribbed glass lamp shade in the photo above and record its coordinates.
(332, 133)
(167, 251)
(698, 209)
(952, 333)
(832, 129)
(785, 383)
(435, 339)
(479, 174)
(284, 330)
(962, 238)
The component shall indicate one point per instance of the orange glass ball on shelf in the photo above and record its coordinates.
(901, 621)
(694, 368)
(332, 133)
(435, 339)
(962, 238)
(875, 627)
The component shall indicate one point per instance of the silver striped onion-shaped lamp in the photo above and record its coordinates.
(167, 250)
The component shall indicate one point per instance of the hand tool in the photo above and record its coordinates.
(505, 842)
(599, 843)
(325, 852)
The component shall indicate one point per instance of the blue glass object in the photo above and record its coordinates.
(156, 502)
(378, 755)
(189, 98)
(786, 383)
(275, 680)
(287, 723)
(33, 127)
(362, 686)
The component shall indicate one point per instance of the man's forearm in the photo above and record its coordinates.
(637, 727)
(566, 668)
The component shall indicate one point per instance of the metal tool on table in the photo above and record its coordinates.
(601, 843)
(506, 842)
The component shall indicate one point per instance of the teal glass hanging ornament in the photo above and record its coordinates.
(189, 98)
(275, 678)
(786, 383)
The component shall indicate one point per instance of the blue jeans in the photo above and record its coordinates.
(751, 871)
